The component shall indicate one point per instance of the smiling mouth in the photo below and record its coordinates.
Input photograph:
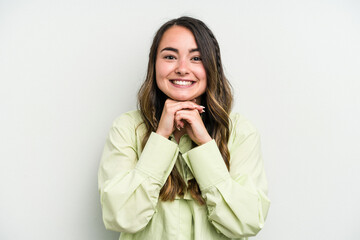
(184, 83)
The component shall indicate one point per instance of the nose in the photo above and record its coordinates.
(182, 67)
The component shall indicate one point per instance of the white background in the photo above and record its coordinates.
(69, 68)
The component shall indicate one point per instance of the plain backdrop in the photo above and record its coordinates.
(69, 68)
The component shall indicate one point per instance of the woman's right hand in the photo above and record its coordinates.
(167, 123)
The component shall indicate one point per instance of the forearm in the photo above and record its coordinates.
(236, 206)
(129, 197)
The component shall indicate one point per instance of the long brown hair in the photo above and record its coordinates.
(217, 99)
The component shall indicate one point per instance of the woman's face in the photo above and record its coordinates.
(180, 73)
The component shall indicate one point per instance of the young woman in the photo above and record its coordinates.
(183, 166)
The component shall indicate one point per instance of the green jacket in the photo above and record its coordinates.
(130, 180)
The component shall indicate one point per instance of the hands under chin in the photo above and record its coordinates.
(177, 115)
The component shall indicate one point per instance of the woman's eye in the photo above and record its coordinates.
(196, 58)
(169, 57)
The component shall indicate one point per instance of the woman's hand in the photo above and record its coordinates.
(194, 125)
(167, 123)
(183, 114)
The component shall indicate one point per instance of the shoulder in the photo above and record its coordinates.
(129, 124)
(128, 127)
(131, 119)
(241, 127)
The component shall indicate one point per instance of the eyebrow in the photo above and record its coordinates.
(177, 51)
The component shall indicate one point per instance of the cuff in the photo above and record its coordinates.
(206, 164)
(158, 157)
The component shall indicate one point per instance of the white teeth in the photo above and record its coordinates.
(182, 83)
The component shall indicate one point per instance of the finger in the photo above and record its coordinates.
(169, 102)
(189, 116)
(181, 124)
(171, 106)
(178, 124)
(189, 106)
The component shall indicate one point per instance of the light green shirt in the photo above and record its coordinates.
(130, 180)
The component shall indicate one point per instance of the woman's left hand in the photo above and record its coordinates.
(194, 126)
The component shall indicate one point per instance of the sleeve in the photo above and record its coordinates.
(236, 201)
(129, 186)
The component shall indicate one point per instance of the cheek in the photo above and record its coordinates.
(158, 73)
(201, 73)
(157, 70)
(159, 76)
(204, 87)
(161, 69)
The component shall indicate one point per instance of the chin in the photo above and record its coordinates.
(182, 98)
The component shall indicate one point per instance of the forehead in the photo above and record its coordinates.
(178, 36)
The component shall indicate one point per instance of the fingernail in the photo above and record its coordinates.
(202, 106)
(178, 128)
(203, 110)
